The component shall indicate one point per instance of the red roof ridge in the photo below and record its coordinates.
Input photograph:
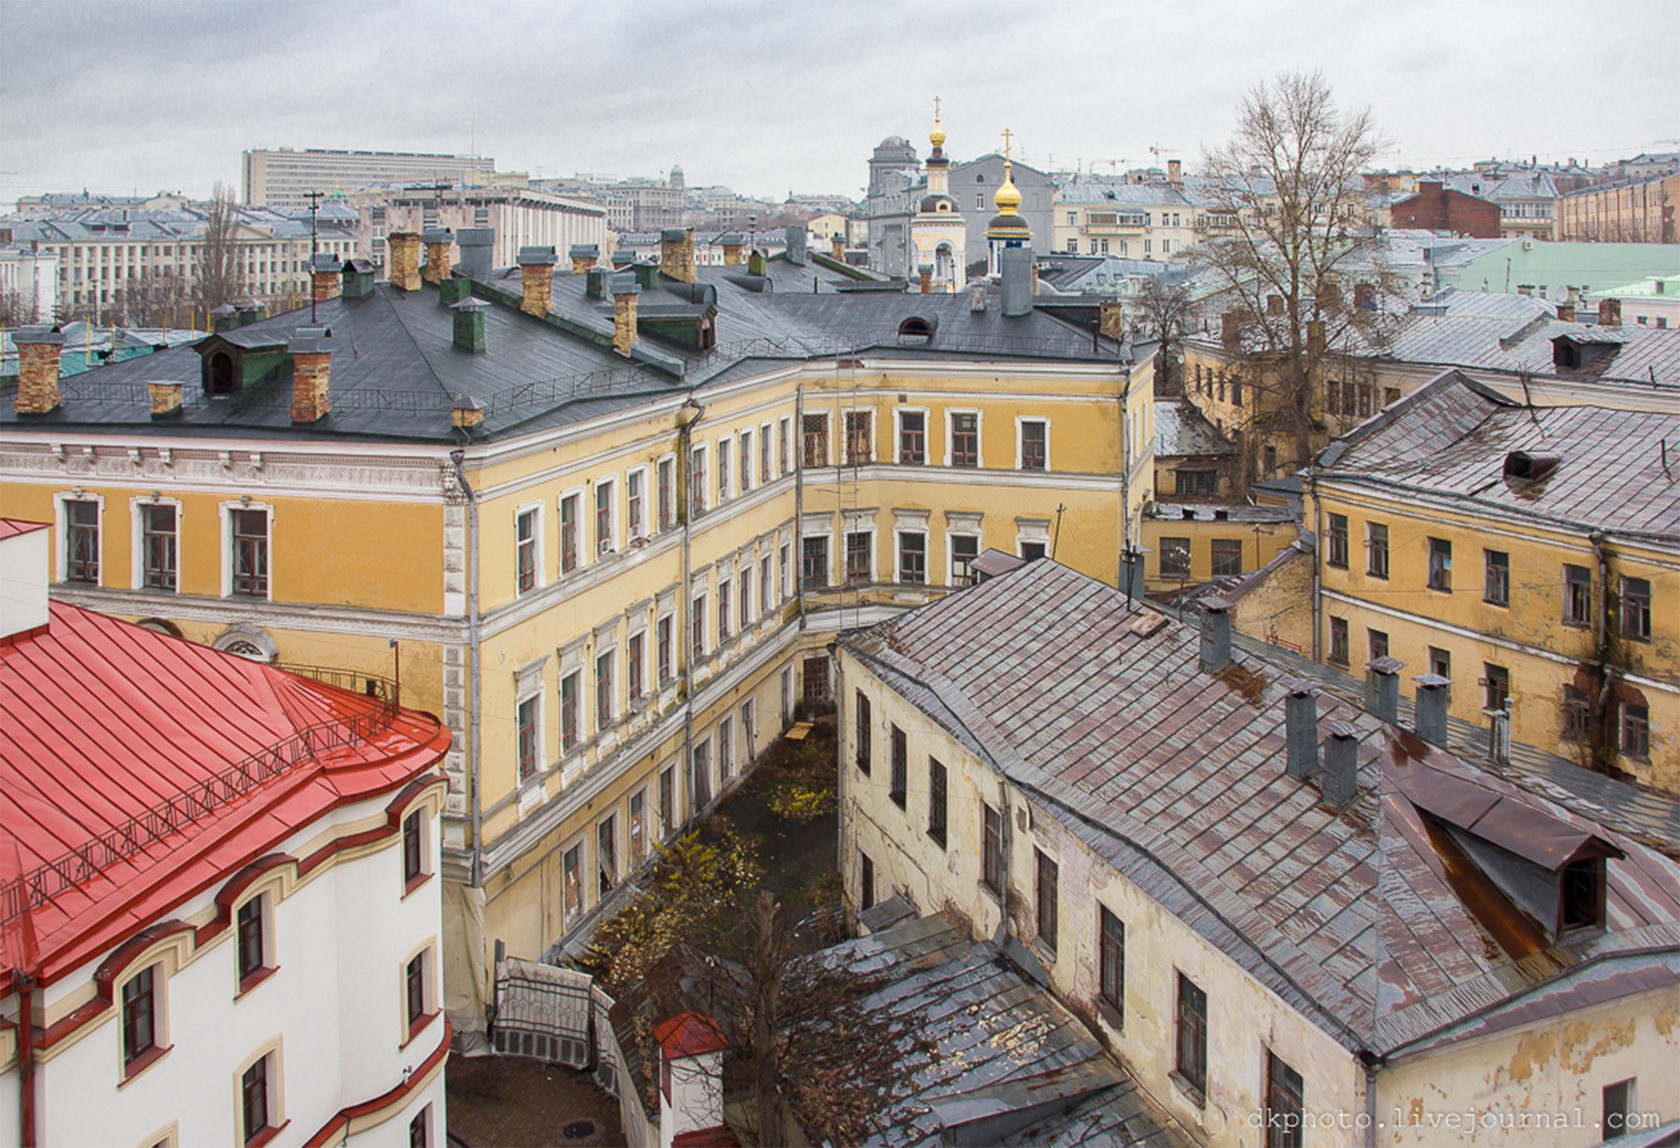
(689, 1034)
(12, 527)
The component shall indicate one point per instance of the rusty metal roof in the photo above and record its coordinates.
(1451, 437)
(1176, 777)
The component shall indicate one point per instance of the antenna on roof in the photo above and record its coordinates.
(314, 198)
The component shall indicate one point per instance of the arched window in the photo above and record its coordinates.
(914, 330)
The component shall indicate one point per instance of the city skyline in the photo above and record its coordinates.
(749, 98)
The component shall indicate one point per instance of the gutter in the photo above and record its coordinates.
(475, 668)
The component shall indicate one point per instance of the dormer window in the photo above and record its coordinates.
(1581, 896)
(915, 330)
(219, 374)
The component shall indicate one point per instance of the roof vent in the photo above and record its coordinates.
(1519, 464)
(469, 324)
(1382, 688)
(1340, 780)
(1300, 714)
(1430, 701)
(1216, 635)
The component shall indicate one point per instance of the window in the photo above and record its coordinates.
(859, 547)
(1496, 687)
(1236, 390)
(638, 827)
(1196, 483)
(814, 440)
(158, 561)
(420, 1129)
(1618, 1109)
(866, 881)
(1191, 1059)
(859, 439)
(723, 470)
(697, 482)
(571, 883)
(139, 1017)
(746, 461)
(1035, 440)
(250, 553)
(604, 691)
(702, 765)
(1577, 595)
(417, 990)
(784, 454)
(1111, 944)
(965, 548)
(749, 730)
(1636, 731)
(571, 685)
(723, 609)
(936, 802)
(526, 718)
(1227, 556)
(965, 440)
(912, 438)
(1285, 1098)
(991, 859)
(667, 800)
(1636, 609)
(1175, 558)
(1583, 895)
(1046, 889)
(1377, 643)
(1376, 549)
(863, 730)
(525, 549)
(604, 539)
(743, 582)
(254, 1101)
(414, 848)
(662, 637)
(815, 676)
(787, 572)
(697, 647)
(1339, 641)
(764, 453)
(1496, 577)
(726, 748)
(1577, 715)
(912, 558)
(633, 667)
(667, 503)
(606, 855)
(568, 533)
(764, 585)
(252, 955)
(900, 783)
(1440, 662)
(1440, 564)
(1337, 542)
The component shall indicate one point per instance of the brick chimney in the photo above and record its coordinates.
(166, 399)
(924, 275)
(837, 245)
(402, 251)
(584, 256)
(1175, 172)
(1566, 312)
(1109, 322)
(1609, 312)
(326, 277)
(624, 292)
(438, 241)
(468, 414)
(38, 350)
(1274, 304)
(732, 243)
(676, 253)
(536, 279)
(311, 351)
(1230, 330)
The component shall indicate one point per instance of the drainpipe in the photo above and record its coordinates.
(24, 985)
(1602, 737)
(797, 447)
(1125, 462)
(1370, 1104)
(475, 665)
(685, 492)
(1317, 574)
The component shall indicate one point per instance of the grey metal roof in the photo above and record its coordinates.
(1451, 439)
(1176, 778)
(1181, 430)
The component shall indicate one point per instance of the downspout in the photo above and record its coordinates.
(796, 448)
(1317, 575)
(685, 606)
(1603, 743)
(1370, 1104)
(24, 985)
(475, 666)
(1125, 464)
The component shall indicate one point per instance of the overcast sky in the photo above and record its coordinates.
(768, 97)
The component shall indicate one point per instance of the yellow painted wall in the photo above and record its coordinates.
(1257, 550)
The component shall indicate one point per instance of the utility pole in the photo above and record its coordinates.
(314, 198)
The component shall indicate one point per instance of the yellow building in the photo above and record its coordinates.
(1190, 544)
(1529, 554)
(604, 522)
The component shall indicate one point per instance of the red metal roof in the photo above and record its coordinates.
(688, 1034)
(718, 1137)
(137, 769)
(12, 527)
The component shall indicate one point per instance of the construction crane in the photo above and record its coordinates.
(1114, 164)
(1156, 150)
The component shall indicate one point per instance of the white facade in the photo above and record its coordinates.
(331, 1017)
(32, 275)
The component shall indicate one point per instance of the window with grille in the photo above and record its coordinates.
(1376, 549)
(250, 553)
(912, 438)
(898, 789)
(991, 863)
(1195, 483)
(569, 556)
(912, 558)
(1336, 542)
(936, 802)
(1496, 577)
(814, 439)
(571, 689)
(1046, 898)
(1440, 564)
(1636, 609)
(814, 680)
(158, 562)
(859, 440)
(1035, 436)
(965, 440)
(1191, 1053)
(1577, 595)
(1111, 942)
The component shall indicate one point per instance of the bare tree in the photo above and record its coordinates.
(153, 300)
(15, 309)
(1164, 309)
(219, 265)
(1294, 258)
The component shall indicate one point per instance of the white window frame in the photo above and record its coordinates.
(815, 526)
(744, 446)
(637, 476)
(428, 950)
(274, 1051)
(766, 454)
(787, 447)
(766, 576)
(725, 456)
(63, 532)
(979, 434)
(656, 524)
(1021, 443)
(724, 743)
(697, 462)
(639, 628)
(874, 441)
(608, 651)
(610, 544)
(859, 523)
(703, 746)
(749, 731)
(224, 511)
(584, 555)
(830, 453)
(1035, 530)
(898, 432)
(529, 683)
(137, 557)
